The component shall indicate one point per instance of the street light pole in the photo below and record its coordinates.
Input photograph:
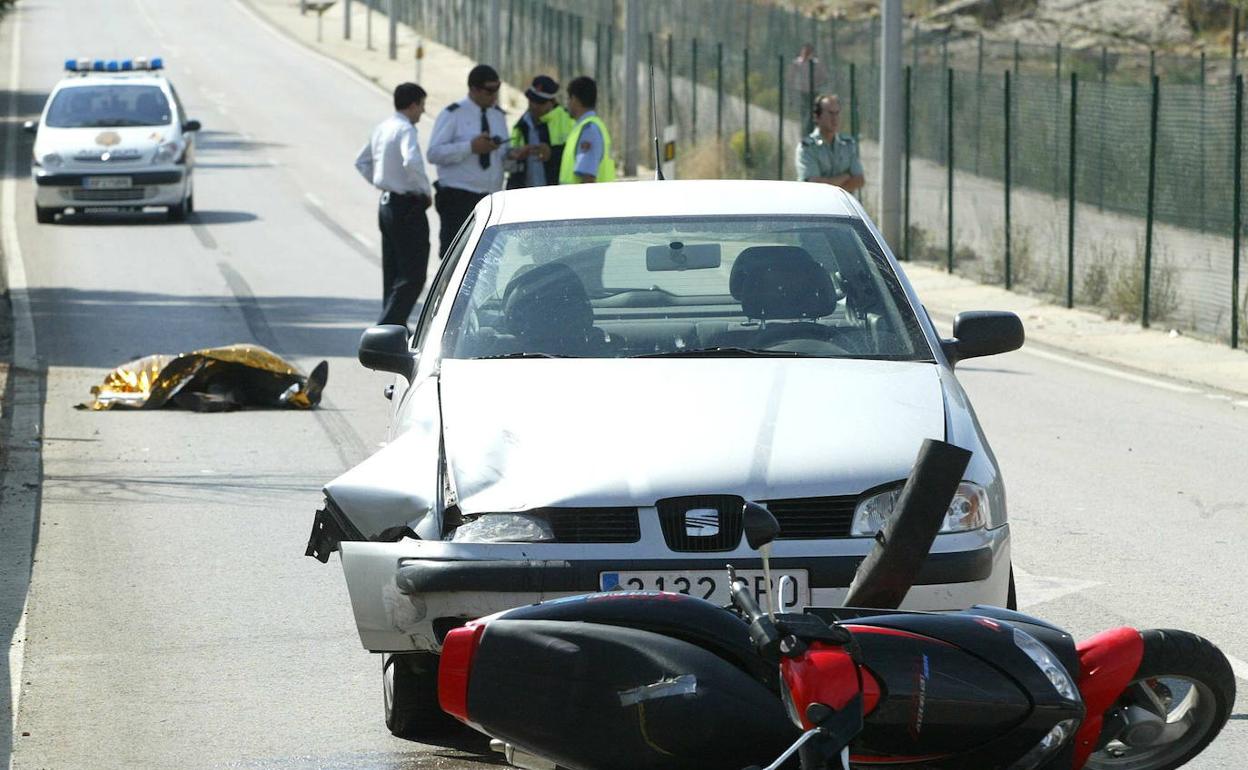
(891, 122)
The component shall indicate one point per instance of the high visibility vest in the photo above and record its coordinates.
(553, 129)
(606, 169)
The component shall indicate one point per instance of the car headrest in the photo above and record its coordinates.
(781, 282)
(547, 302)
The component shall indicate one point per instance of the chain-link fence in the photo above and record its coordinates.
(1026, 165)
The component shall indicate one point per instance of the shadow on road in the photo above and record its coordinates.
(109, 218)
(98, 328)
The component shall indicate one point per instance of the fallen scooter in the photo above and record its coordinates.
(658, 680)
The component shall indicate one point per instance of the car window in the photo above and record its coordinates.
(109, 106)
(809, 286)
(434, 300)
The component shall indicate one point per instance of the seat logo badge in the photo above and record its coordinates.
(108, 138)
(701, 522)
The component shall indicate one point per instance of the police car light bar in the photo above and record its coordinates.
(114, 65)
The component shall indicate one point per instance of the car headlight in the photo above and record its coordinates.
(504, 528)
(169, 152)
(51, 160)
(1048, 663)
(967, 511)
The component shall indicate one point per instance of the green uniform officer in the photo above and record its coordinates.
(587, 153)
(827, 156)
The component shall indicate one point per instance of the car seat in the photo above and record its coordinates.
(548, 311)
(778, 283)
(148, 109)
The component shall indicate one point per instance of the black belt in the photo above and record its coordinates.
(413, 197)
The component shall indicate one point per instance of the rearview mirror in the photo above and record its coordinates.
(191, 125)
(384, 349)
(682, 256)
(760, 526)
(983, 333)
(31, 126)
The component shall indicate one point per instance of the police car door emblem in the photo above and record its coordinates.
(701, 522)
(108, 138)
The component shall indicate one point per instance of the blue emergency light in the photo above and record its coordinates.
(114, 65)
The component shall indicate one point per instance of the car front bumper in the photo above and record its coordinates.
(406, 595)
(68, 189)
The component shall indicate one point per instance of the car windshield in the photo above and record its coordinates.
(109, 106)
(683, 287)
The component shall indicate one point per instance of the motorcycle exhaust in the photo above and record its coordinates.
(902, 544)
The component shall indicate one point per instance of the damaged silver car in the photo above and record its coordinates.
(603, 374)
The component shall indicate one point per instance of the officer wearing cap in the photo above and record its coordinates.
(587, 153)
(468, 147)
(538, 137)
(826, 156)
(392, 163)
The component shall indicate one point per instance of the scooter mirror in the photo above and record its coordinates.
(760, 526)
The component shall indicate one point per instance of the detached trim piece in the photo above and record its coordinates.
(329, 528)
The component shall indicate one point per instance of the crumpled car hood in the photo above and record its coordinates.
(524, 434)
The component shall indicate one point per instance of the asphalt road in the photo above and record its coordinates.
(173, 618)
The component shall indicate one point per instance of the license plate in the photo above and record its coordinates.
(713, 586)
(107, 182)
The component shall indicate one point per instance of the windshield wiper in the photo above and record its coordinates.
(517, 355)
(723, 352)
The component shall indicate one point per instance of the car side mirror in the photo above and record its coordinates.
(384, 349)
(983, 333)
(760, 526)
(191, 125)
(31, 126)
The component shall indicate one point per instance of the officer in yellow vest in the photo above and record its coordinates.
(538, 137)
(587, 153)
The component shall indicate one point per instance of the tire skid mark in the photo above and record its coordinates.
(347, 443)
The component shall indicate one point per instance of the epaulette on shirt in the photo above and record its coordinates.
(452, 107)
(808, 141)
(846, 138)
(500, 109)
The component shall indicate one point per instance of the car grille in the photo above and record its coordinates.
(128, 194)
(720, 530)
(594, 525)
(813, 518)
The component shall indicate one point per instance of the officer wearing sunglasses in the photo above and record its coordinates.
(468, 147)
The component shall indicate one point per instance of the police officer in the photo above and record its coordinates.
(392, 163)
(538, 137)
(468, 147)
(587, 153)
(826, 156)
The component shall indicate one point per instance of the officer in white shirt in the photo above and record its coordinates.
(468, 147)
(392, 163)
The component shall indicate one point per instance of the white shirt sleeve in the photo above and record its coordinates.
(364, 162)
(443, 149)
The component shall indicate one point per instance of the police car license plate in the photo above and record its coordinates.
(107, 182)
(713, 586)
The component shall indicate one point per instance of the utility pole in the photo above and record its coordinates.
(494, 44)
(632, 100)
(892, 117)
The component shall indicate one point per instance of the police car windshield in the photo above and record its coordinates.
(675, 286)
(113, 105)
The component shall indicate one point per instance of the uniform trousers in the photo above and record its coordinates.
(404, 254)
(453, 205)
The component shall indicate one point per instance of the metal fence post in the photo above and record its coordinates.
(810, 95)
(905, 205)
(1200, 139)
(693, 78)
(1070, 193)
(979, 94)
(1152, 194)
(780, 115)
(346, 19)
(1009, 278)
(949, 175)
(853, 101)
(1238, 172)
(745, 71)
(368, 24)
(669, 69)
(719, 91)
(1234, 42)
(394, 29)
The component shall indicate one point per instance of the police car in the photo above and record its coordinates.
(113, 134)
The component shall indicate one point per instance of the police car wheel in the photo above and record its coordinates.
(190, 204)
(410, 693)
(178, 213)
(45, 215)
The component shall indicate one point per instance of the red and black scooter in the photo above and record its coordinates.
(657, 680)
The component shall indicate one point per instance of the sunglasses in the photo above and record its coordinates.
(489, 89)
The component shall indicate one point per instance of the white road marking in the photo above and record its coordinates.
(1111, 372)
(1242, 403)
(1037, 589)
(362, 240)
(24, 353)
(1238, 666)
(315, 201)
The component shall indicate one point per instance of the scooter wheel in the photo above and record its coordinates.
(1177, 703)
